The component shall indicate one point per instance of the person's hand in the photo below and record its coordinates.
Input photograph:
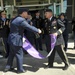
(24, 39)
(7, 23)
(55, 34)
(39, 31)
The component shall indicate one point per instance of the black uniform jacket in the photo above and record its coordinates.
(54, 26)
(4, 28)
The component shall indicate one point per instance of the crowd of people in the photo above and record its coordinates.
(36, 29)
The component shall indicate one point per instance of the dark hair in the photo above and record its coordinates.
(2, 11)
(48, 10)
(21, 10)
(62, 14)
(37, 11)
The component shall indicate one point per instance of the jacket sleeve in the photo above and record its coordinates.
(61, 27)
(29, 27)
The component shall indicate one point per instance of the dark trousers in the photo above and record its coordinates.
(65, 41)
(38, 43)
(61, 53)
(5, 40)
(15, 51)
(57, 48)
(47, 42)
(31, 40)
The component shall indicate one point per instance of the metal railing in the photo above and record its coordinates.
(31, 2)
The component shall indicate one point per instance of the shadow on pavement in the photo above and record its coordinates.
(71, 58)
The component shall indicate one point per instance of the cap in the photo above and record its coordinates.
(21, 10)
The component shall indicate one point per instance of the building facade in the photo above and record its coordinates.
(57, 6)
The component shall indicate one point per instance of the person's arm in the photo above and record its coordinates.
(29, 27)
(61, 27)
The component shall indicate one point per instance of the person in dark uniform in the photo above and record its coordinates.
(4, 30)
(73, 23)
(56, 27)
(29, 34)
(38, 22)
(15, 39)
(65, 33)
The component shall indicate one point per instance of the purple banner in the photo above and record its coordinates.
(33, 52)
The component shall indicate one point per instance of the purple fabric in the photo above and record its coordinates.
(33, 52)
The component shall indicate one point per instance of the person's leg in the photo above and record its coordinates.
(37, 43)
(31, 40)
(6, 46)
(66, 41)
(10, 59)
(48, 46)
(63, 55)
(19, 58)
(40, 42)
(47, 42)
(51, 58)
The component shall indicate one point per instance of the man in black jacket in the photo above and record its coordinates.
(55, 27)
(38, 22)
(4, 31)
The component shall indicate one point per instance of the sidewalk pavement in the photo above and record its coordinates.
(36, 66)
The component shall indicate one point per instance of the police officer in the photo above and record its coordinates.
(65, 33)
(17, 26)
(4, 30)
(38, 22)
(56, 27)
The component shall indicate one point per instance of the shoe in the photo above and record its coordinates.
(6, 69)
(65, 67)
(23, 71)
(48, 66)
